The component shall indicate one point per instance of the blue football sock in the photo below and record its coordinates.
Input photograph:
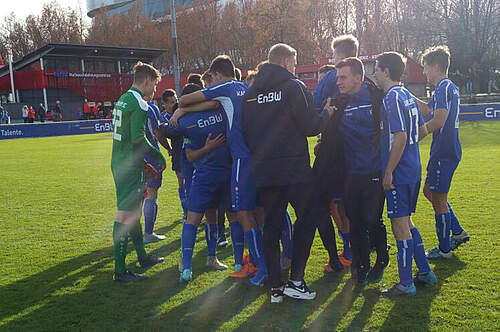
(443, 225)
(405, 260)
(254, 240)
(346, 240)
(182, 198)
(287, 236)
(188, 240)
(456, 228)
(211, 234)
(419, 252)
(150, 210)
(238, 241)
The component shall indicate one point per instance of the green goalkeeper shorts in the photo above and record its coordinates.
(129, 184)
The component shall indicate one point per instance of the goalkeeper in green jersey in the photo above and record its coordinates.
(127, 165)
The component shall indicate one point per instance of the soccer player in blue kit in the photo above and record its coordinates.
(343, 46)
(204, 144)
(153, 181)
(446, 151)
(402, 127)
(243, 191)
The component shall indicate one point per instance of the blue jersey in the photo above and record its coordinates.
(195, 128)
(326, 88)
(359, 131)
(445, 142)
(230, 95)
(400, 113)
(152, 124)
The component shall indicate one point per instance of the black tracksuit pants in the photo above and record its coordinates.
(275, 200)
(364, 205)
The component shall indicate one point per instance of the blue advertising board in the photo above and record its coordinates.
(479, 112)
(25, 130)
(472, 112)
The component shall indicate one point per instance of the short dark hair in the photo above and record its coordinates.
(355, 64)
(206, 77)
(223, 65)
(439, 55)
(190, 88)
(325, 69)
(145, 70)
(194, 78)
(279, 52)
(348, 45)
(167, 94)
(237, 73)
(395, 62)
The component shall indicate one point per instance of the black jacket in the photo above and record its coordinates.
(329, 166)
(277, 117)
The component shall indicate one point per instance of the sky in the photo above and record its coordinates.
(23, 8)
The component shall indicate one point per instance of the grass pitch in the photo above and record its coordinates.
(56, 216)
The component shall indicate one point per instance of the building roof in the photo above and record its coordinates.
(84, 51)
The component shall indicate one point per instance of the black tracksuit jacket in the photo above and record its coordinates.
(277, 117)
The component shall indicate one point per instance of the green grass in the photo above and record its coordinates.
(56, 215)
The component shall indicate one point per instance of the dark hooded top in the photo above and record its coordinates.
(277, 117)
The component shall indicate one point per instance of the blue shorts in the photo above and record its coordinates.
(439, 175)
(402, 201)
(204, 196)
(150, 181)
(243, 189)
(187, 177)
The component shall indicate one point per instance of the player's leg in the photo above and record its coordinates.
(211, 234)
(243, 202)
(287, 242)
(354, 208)
(404, 240)
(458, 234)
(129, 187)
(327, 234)
(301, 197)
(182, 193)
(151, 209)
(424, 274)
(337, 211)
(221, 224)
(439, 176)
(188, 240)
(377, 231)
(238, 244)
(274, 203)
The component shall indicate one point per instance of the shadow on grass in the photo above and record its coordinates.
(403, 315)
(80, 291)
(292, 314)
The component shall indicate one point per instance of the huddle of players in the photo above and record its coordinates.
(377, 136)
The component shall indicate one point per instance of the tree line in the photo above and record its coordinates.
(245, 29)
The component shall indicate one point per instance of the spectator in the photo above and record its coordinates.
(86, 110)
(31, 114)
(41, 113)
(6, 118)
(1, 114)
(25, 114)
(98, 111)
(492, 80)
(58, 111)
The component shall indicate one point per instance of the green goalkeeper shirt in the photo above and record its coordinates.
(129, 139)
